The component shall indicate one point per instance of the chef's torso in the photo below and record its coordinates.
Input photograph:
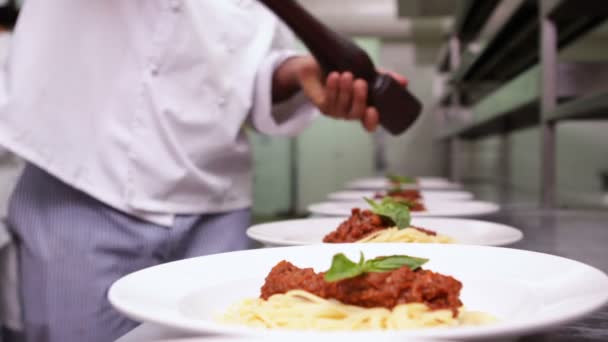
(140, 103)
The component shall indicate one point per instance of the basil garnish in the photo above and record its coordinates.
(343, 268)
(398, 211)
(400, 179)
(405, 201)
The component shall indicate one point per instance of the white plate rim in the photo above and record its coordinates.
(341, 196)
(422, 184)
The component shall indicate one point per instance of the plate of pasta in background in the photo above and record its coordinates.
(386, 221)
(419, 208)
(360, 290)
(427, 230)
(405, 182)
(434, 195)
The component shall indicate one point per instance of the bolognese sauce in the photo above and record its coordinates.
(400, 193)
(361, 224)
(379, 289)
(413, 198)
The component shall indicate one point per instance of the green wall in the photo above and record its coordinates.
(271, 175)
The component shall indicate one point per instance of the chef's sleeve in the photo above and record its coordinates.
(291, 116)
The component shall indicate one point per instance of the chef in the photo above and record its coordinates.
(131, 116)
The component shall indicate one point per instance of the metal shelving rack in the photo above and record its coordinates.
(535, 32)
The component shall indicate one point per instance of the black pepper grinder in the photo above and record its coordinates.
(398, 108)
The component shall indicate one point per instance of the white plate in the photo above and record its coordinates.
(312, 231)
(354, 195)
(433, 208)
(526, 291)
(425, 183)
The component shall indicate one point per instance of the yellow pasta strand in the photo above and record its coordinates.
(301, 310)
(405, 235)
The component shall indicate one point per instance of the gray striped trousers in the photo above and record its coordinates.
(72, 248)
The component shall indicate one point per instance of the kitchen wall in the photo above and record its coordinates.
(416, 152)
(271, 175)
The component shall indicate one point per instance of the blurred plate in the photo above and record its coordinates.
(423, 183)
(434, 208)
(436, 195)
(312, 231)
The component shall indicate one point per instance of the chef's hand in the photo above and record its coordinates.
(339, 95)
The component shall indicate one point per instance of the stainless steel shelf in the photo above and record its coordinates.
(520, 117)
(591, 107)
(516, 105)
(443, 64)
(575, 18)
(514, 48)
(471, 17)
(519, 32)
(535, 30)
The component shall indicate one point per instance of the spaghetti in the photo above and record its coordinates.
(301, 310)
(405, 235)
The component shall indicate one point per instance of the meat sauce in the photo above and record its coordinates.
(401, 193)
(360, 224)
(416, 206)
(385, 289)
(412, 196)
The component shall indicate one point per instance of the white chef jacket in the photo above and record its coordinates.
(142, 103)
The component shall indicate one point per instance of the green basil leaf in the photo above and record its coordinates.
(400, 179)
(343, 268)
(408, 202)
(390, 263)
(396, 211)
(372, 204)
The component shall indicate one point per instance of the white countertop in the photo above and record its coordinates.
(153, 333)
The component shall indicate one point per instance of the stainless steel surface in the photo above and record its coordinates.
(576, 234)
(380, 157)
(427, 8)
(456, 114)
(504, 158)
(454, 146)
(454, 155)
(443, 59)
(594, 106)
(548, 172)
(516, 103)
(548, 103)
(472, 17)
